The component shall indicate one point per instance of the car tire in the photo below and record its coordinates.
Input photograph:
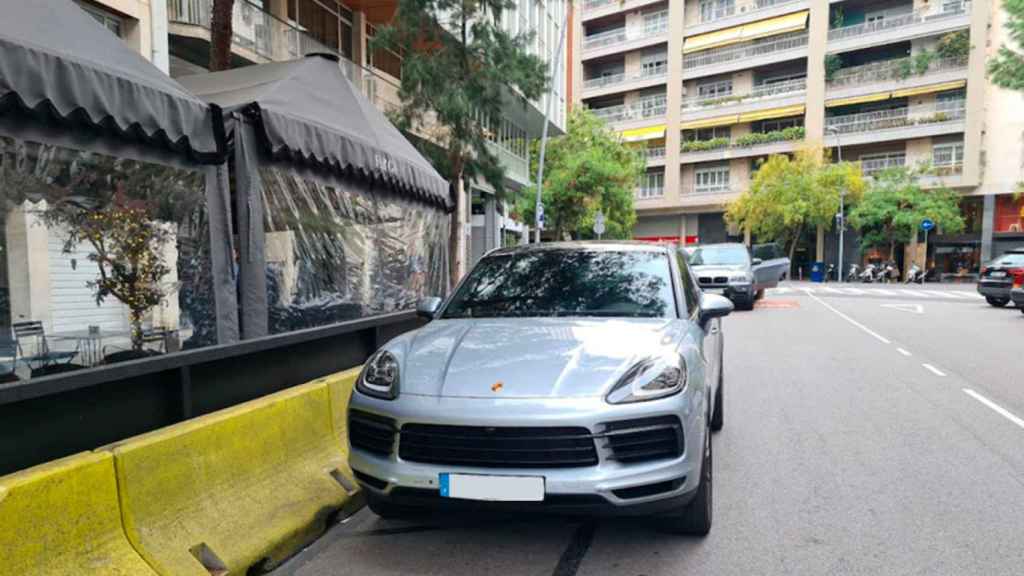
(746, 303)
(387, 510)
(718, 415)
(997, 302)
(759, 295)
(695, 518)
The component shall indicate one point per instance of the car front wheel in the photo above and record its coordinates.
(997, 302)
(695, 518)
(718, 416)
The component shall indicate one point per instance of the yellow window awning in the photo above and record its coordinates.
(648, 133)
(773, 113)
(762, 29)
(710, 122)
(930, 89)
(858, 99)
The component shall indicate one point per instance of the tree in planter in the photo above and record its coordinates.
(791, 195)
(588, 169)
(127, 247)
(894, 206)
(458, 66)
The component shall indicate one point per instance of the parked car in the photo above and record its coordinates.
(998, 277)
(1017, 296)
(729, 270)
(566, 377)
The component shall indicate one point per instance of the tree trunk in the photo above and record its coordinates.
(457, 240)
(792, 246)
(220, 35)
(135, 318)
(892, 251)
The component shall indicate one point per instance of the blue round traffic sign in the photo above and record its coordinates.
(927, 224)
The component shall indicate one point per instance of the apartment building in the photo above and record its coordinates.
(710, 88)
(178, 33)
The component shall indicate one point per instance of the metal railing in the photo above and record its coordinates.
(645, 193)
(786, 88)
(899, 19)
(691, 189)
(654, 152)
(940, 112)
(648, 73)
(655, 27)
(650, 107)
(253, 29)
(595, 4)
(739, 7)
(873, 166)
(744, 51)
(896, 69)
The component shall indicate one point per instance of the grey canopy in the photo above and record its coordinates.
(57, 61)
(307, 111)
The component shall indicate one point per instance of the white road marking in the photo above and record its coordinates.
(871, 332)
(952, 294)
(934, 370)
(916, 294)
(780, 290)
(883, 292)
(999, 409)
(854, 291)
(939, 293)
(904, 352)
(912, 308)
(974, 295)
(808, 291)
(831, 290)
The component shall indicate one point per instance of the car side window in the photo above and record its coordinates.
(690, 291)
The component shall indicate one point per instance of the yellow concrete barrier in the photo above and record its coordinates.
(340, 389)
(63, 518)
(247, 485)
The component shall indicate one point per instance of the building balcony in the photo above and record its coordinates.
(691, 195)
(873, 166)
(948, 175)
(258, 36)
(781, 94)
(645, 78)
(646, 109)
(940, 18)
(893, 75)
(625, 39)
(746, 146)
(517, 168)
(655, 156)
(594, 9)
(904, 123)
(649, 193)
(744, 56)
(741, 12)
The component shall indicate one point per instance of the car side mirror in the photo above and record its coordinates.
(756, 261)
(428, 307)
(714, 306)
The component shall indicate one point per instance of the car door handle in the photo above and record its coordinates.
(714, 330)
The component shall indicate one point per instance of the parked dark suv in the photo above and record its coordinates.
(999, 277)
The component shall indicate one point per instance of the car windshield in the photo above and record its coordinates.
(719, 256)
(603, 283)
(1009, 260)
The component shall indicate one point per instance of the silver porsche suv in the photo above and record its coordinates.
(580, 378)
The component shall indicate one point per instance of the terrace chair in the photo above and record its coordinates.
(33, 331)
(8, 359)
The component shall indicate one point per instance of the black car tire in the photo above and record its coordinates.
(1021, 308)
(718, 416)
(997, 302)
(695, 518)
(744, 302)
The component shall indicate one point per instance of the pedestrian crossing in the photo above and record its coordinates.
(889, 291)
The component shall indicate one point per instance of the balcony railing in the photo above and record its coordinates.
(253, 29)
(939, 113)
(646, 193)
(873, 166)
(647, 108)
(648, 73)
(654, 153)
(595, 4)
(721, 10)
(744, 51)
(894, 20)
(744, 141)
(655, 27)
(786, 88)
(897, 69)
(689, 189)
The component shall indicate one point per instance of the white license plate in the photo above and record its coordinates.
(719, 291)
(997, 275)
(492, 488)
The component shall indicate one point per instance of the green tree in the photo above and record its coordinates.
(791, 195)
(586, 170)
(893, 207)
(1006, 69)
(458, 68)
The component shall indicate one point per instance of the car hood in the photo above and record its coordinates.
(528, 357)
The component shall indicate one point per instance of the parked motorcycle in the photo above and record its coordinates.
(853, 274)
(890, 273)
(830, 273)
(869, 274)
(915, 275)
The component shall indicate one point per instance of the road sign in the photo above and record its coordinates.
(599, 224)
(927, 224)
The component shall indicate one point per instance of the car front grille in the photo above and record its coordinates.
(645, 439)
(712, 280)
(371, 432)
(503, 447)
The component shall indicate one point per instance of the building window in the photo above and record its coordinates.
(655, 22)
(715, 89)
(703, 134)
(715, 9)
(109, 20)
(780, 124)
(384, 60)
(327, 21)
(948, 155)
(711, 178)
(654, 64)
(652, 185)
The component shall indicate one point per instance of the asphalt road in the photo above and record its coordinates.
(865, 434)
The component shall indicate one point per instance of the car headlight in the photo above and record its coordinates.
(649, 379)
(380, 376)
(740, 279)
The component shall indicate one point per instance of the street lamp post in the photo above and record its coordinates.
(556, 64)
(842, 205)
